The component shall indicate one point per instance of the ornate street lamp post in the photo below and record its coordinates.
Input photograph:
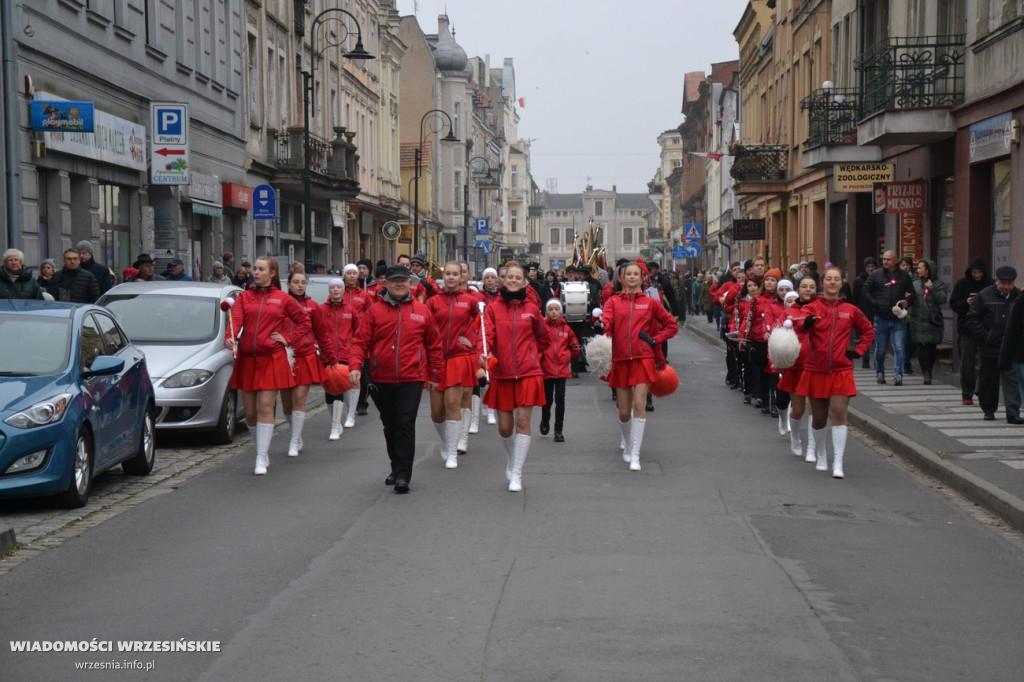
(438, 117)
(466, 228)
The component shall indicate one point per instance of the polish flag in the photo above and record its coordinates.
(522, 102)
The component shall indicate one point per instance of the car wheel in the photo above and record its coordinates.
(78, 490)
(142, 463)
(224, 433)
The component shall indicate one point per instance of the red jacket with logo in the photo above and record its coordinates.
(517, 337)
(307, 345)
(626, 315)
(563, 347)
(261, 311)
(455, 314)
(341, 321)
(400, 340)
(829, 335)
(358, 298)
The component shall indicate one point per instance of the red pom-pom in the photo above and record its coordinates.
(491, 363)
(666, 381)
(335, 379)
(225, 305)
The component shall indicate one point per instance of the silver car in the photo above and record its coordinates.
(180, 326)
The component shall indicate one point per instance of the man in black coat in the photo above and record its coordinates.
(865, 306)
(960, 300)
(888, 288)
(99, 271)
(73, 284)
(539, 285)
(986, 321)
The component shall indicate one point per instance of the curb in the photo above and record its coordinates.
(7, 540)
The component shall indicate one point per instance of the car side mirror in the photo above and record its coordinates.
(104, 365)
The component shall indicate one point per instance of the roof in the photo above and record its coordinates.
(407, 154)
(164, 288)
(569, 202)
(45, 308)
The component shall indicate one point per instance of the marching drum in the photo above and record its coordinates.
(575, 300)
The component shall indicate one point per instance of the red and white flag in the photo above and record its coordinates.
(716, 156)
(522, 102)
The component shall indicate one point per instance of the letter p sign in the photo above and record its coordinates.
(170, 123)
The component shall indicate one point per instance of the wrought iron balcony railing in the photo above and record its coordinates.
(832, 116)
(913, 72)
(290, 151)
(759, 162)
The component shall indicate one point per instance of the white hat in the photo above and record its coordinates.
(790, 294)
(489, 271)
(784, 283)
(351, 266)
(553, 301)
(336, 281)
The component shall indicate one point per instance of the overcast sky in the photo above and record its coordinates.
(601, 79)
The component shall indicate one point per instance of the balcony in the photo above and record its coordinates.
(290, 151)
(759, 168)
(332, 163)
(832, 117)
(910, 87)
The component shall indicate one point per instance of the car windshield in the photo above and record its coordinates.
(165, 320)
(33, 345)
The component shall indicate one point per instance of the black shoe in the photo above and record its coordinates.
(401, 486)
(758, 403)
(650, 404)
(733, 387)
(1014, 420)
(897, 380)
(544, 428)
(774, 412)
(361, 411)
(746, 400)
(881, 378)
(575, 374)
(989, 417)
(765, 410)
(865, 365)
(559, 438)
(390, 480)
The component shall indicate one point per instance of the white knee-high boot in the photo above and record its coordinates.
(463, 437)
(351, 398)
(820, 450)
(797, 428)
(625, 427)
(508, 444)
(337, 409)
(298, 419)
(452, 428)
(492, 417)
(636, 438)
(264, 433)
(784, 422)
(474, 422)
(442, 433)
(811, 442)
(838, 449)
(522, 447)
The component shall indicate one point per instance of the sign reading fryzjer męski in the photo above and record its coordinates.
(861, 177)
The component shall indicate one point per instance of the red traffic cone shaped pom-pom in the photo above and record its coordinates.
(666, 381)
(491, 363)
(336, 379)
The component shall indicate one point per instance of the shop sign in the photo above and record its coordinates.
(905, 197)
(910, 235)
(991, 138)
(48, 115)
(113, 140)
(861, 177)
(237, 196)
(748, 230)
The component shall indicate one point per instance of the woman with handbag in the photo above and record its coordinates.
(926, 322)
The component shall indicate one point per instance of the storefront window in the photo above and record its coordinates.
(114, 222)
(1000, 214)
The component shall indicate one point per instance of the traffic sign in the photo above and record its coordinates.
(391, 230)
(484, 244)
(264, 203)
(168, 144)
(692, 250)
(692, 232)
(483, 227)
(678, 252)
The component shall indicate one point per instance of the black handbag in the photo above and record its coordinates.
(935, 318)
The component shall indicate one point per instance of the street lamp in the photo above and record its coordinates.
(357, 54)
(439, 117)
(488, 179)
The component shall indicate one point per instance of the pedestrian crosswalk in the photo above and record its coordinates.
(939, 406)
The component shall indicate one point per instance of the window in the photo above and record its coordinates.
(113, 340)
(555, 234)
(641, 235)
(515, 220)
(92, 342)
(456, 126)
(598, 208)
(568, 236)
(458, 190)
(627, 236)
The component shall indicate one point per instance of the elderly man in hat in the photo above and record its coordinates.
(88, 262)
(147, 271)
(986, 322)
(16, 281)
(176, 271)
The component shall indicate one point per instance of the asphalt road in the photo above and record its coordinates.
(726, 558)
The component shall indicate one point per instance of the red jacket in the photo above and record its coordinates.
(358, 298)
(320, 338)
(607, 291)
(626, 315)
(517, 337)
(401, 342)
(342, 321)
(261, 311)
(829, 336)
(455, 314)
(563, 347)
(752, 311)
(489, 297)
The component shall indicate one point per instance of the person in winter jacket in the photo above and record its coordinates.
(866, 307)
(887, 288)
(219, 275)
(1011, 350)
(47, 269)
(637, 326)
(342, 319)
(16, 281)
(516, 340)
(264, 322)
(986, 321)
(960, 301)
(399, 338)
(72, 283)
(99, 271)
(556, 364)
(929, 296)
(827, 378)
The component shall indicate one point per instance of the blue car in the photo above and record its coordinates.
(75, 400)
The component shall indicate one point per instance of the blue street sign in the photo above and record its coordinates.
(483, 227)
(264, 203)
(61, 116)
(678, 252)
(484, 244)
(692, 250)
(692, 232)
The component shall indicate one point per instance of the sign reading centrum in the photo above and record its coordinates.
(861, 177)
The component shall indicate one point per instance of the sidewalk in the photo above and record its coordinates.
(927, 426)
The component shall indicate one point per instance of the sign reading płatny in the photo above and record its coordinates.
(168, 144)
(861, 177)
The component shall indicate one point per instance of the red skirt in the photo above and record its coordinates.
(626, 373)
(790, 380)
(308, 370)
(508, 394)
(459, 370)
(269, 372)
(824, 385)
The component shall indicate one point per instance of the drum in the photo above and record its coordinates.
(575, 300)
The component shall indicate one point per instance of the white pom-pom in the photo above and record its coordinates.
(290, 353)
(596, 312)
(783, 346)
(599, 355)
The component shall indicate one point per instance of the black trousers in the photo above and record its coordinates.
(398, 405)
(554, 389)
(584, 332)
(989, 377)
(732, 364)
(926, 353)
(364, 386)
(756, 359)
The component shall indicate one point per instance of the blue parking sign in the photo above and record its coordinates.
(264, 203)
(483, 227)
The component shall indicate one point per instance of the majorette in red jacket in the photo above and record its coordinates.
(261, 311)
(305, 345)
(517, 337)
(341, 320)
(455, 313)
(749, 318)
(626, 315)
(829, 335)
(358, 298)
(400, 340)
(563, 347)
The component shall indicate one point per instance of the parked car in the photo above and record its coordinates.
(181, 328)
(75, 400)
